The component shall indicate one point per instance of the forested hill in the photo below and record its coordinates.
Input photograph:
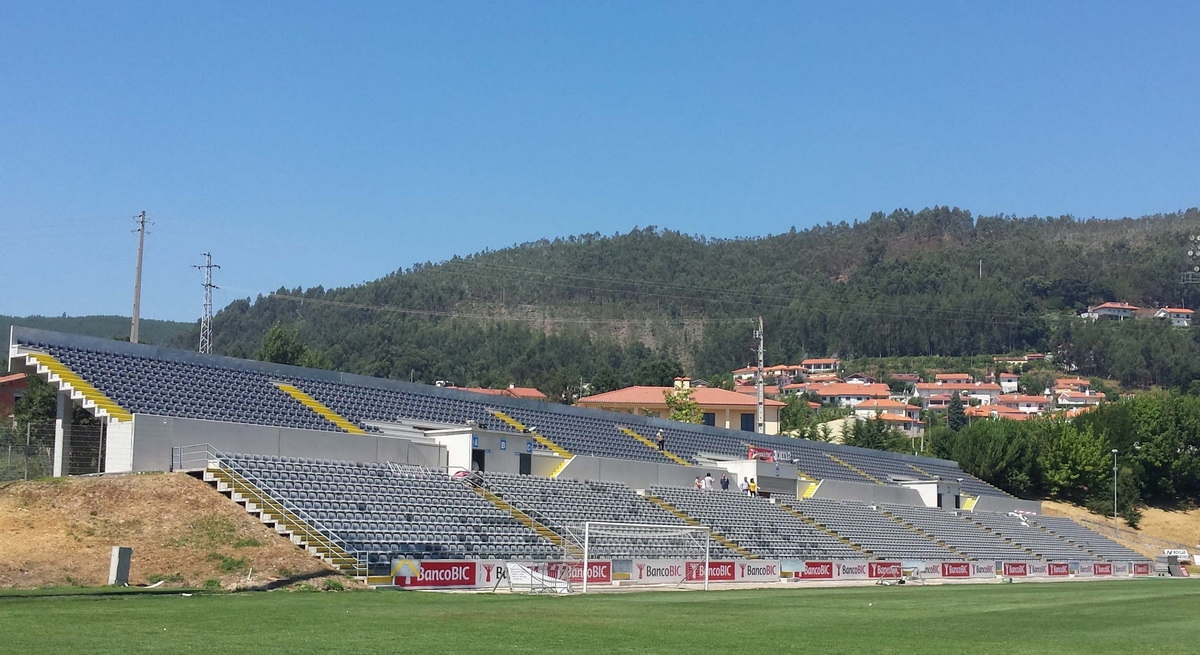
(905, 283)
(150, 331)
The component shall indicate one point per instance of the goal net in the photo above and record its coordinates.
(687, 544)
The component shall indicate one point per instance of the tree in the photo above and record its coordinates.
(1073, 461)
(281, 345)
(38, 404)
(876, 434)
(605, 380)
(682, 406)
(658, 373)
(956, 416)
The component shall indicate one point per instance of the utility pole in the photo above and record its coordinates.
(1116, 522)
(137, 281)
(760, 424)
(206, 321)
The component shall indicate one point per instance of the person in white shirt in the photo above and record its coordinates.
(699, 485)
(744, 485)
(708, 481)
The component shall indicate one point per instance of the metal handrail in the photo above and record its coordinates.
(311, 528)
(476, 479)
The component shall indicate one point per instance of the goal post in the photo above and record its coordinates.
(613, 540)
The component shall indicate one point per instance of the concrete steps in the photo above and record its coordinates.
(283, 521)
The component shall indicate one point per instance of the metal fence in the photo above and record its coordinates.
(27, 452)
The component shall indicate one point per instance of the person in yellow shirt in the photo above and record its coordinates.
(753, 487)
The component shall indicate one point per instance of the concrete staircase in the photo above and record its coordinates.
(66, 380)
(545, 442)
(654, 446)
(826, 530)
(854, 468)
(716, 536)
(318, 407)
(573, 550)
(923, 533)
(257, 502)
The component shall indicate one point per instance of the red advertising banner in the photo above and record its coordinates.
(764, 454)
(598, 571)
(955, 569)
(1102, 568)
(717, 571)
(884, 570)
(1058, 569)
(1016, 569)
(816, 571)
(1141, 568)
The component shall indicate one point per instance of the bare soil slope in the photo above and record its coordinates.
(1158, 526)
(61, 532)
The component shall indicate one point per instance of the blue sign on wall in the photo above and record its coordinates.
(504, 444)
(474, 441)
(529, 446)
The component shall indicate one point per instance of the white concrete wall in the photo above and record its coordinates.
(154, 436)
(867, 493)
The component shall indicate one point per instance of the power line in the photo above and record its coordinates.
(485, 317)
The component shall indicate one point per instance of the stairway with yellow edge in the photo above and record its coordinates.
(546, 443)
(818, 526)
(528, 521)
(318, 407)
(78, 387)
(923, 533)
(922, 471)
(811, 490)
(854, 468)
(716, 536)
(653, 446)
(271, 512)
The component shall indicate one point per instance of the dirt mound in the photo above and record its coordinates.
(1158, 529)
(61, 532)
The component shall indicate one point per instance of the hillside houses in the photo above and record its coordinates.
(1120, 311)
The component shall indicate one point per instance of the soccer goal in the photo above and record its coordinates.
(601, 540)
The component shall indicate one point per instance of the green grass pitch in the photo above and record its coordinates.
(1142, 616)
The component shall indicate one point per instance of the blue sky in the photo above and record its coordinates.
(309, 143)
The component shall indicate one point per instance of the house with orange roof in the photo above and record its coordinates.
(512, 391)
(953, 378)
(983, 392)
(720, 407)
(997, 412)
(1023, 403)
(1081, 385)
(12, 387)
(1117, 311)
(911, 427)
(878, 407)
(1179, 316)
(1008, 381)
(846, 394)
(1068, 399)
(823, 378)
(820, 365)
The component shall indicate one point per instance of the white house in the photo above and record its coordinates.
(1179, 316)
(1110, 310)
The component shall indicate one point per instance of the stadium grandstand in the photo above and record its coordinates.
(366, 472)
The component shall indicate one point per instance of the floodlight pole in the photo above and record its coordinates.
(1116, 525)
(586, 543)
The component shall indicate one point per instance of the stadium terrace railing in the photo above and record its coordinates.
(312, 530)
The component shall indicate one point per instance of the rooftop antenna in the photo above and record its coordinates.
(137, 281)
(206, 322)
